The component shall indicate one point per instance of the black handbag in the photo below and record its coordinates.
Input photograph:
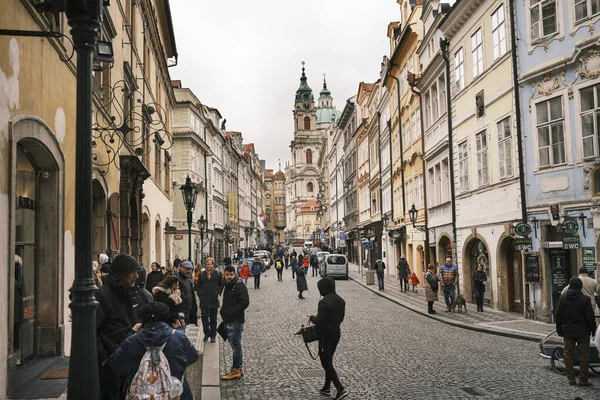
(309, 335)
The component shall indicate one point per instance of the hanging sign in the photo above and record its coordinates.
(589, 260)
(570, 242)
(532, 268)
(523, 229)
(523, 244)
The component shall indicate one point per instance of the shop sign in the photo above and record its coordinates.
(523, 244)
(559, 271)
(366, 245)
(553, 245)
(523, 229)
(178, 237)
(589, 259)
(532, 268)
(570, 242)
(342, 242)
(570, 226)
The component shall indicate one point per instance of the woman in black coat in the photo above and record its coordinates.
(167, 292)
(154, 277)
(479, 278)
(301, 284)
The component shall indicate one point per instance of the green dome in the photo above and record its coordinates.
(326, 114)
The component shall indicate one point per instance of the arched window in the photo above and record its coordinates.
(307, 123)
(309, 156)
(309, 187)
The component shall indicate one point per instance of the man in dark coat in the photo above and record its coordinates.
(155, 332)
(255, 271)
(330, 314)
(188, 298)
(314, 263)
(235, 302)
(154, 277)
(115, 319)
(209, 288)
(575, 323)
(403, 273)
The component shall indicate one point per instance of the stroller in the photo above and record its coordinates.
(551, 348)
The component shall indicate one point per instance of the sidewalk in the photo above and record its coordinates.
(491, 321)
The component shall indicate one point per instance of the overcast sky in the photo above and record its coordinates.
(244, 58)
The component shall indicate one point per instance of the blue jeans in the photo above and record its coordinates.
(234, 335)
(380, 280)
(479, 299)
(449, 294)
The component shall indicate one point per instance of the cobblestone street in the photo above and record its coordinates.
(386, 352)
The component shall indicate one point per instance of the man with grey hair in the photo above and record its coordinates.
(188, 297)
(589, 289)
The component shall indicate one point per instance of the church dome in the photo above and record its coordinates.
(326, 115)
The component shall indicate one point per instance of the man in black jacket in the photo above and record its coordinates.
(209, 288)
(575, 323)
(330, 315)
(235, 301)
(115, 319)
(188, 298)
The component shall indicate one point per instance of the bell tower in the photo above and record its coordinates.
(305, 116)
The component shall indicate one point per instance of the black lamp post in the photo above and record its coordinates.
(246, 233)
(385, 220)
(202, 222)
(412, 213)
(227, 229)
(251, 228)
(85, 18)
(189, 192)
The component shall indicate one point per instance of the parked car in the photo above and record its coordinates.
(335, 266)
(321, 257)
(265, 257)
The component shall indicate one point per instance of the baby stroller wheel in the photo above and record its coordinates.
(557, 361)
(595, 370)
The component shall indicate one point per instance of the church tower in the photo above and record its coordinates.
(304, 108)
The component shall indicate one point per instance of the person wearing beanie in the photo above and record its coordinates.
(115, 318)
(155, 332)
(575, 323)
(188, 299)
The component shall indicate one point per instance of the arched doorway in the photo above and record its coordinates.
(419, 268)
(146, 241)
(511, 278)
(476, 253)
(99, 233)
(445, 249)
(158, 243)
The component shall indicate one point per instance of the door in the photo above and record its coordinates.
(514, 278)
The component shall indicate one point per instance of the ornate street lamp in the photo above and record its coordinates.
(412, 213)
(202, 222)
(227, 229)
(385, 220)
(189, 192)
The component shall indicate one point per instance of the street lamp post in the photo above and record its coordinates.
(202, 227)
(227, 229)
(246, 233)
(251, 229)
(189, 192)
(85, 19)
(412, 213)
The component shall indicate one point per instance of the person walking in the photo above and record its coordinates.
(314, 263)
(154, 277)
(154, 332)
(479, 278)
(255, 271)
(115, 318)
(431, 288)
(244, 272)
(235, 302)
(380, 268)
(279, 269)
(403, 273)
(295, 263)
(209, 288)
(189, 306)
(330, 315)
(575, 323)
(414, 281)
(301, 284)
(449, 278)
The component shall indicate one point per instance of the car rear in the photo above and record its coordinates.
(335, 266)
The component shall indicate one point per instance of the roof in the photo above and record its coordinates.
(279, 174)
(268, 173)
(176, 84)
(304, 92)
(326, 114)
(310, 206)
(249, 146)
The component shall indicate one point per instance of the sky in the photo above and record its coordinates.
(244, 58)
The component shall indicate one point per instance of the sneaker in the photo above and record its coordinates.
(325, 391)
(205, 339)
(212, 339)
(585, 383)
(341, 394)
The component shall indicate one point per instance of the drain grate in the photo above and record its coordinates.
(307, 373)
(474, 391)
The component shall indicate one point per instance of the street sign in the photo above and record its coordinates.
(366, 245)
(523, 244)
(523, 229)
(570, 243)
(553, 245)
(570, 226)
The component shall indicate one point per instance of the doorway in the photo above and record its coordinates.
(476, 253)
(511, 267)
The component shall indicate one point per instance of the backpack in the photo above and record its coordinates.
(153, 378)
(278, 264)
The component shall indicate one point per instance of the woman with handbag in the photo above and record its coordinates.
(330, 314)
(301, 284)
(431, 288)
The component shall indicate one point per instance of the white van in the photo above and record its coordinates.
(307, 246)
(335, 265)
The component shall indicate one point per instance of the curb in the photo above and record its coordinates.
(482, 329)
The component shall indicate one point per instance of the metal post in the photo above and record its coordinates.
(201, 246)
(189, 222)
(84, 20)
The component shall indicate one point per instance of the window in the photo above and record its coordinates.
(459, 69)
(409, 193)
(416, 124)
(590, 120)
(477, 52)
(307, 123)
(427, 110)
(434, 99)
(550, 131)
(505, 148)
(543, 18)
(483, 174)
(406, 133)
(463, 166)
(498, 32)
(309, 156)
(442, 89)
(418, 182)
(585, 9)
(309, 187)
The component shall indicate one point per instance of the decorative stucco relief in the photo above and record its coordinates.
(548, 85)
(590, 64)
(569, 86)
